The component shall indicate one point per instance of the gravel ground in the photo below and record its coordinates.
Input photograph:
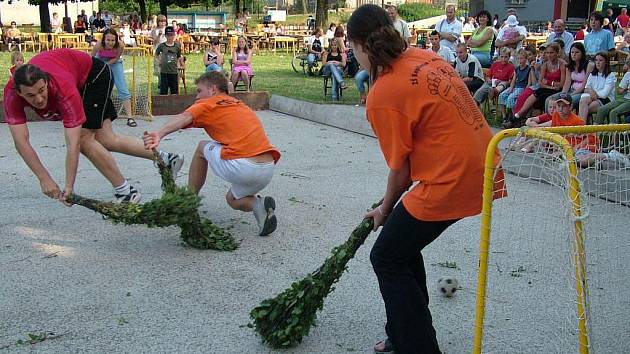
(129, 289)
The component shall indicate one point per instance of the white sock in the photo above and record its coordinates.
(164, 155)
(259, 208)
(123, 189)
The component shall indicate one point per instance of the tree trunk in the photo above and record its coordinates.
(321, 14)
(143, 10)
(474, 7)
(44, 16)
(305, 6)
(237, 6)
(163, 7)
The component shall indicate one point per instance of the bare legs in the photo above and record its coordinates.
(100, 157)
(121, 143)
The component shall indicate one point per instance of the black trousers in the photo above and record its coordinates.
(474, 85)
(399, 267)
(169, 82)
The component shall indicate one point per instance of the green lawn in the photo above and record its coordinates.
(273, 74)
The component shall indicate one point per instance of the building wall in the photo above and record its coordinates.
(21, 12)
(528, 11)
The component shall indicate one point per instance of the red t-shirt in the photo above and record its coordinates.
(543, 118)
(579, 36)
(68, 70)
(623, 20)
(500, 71)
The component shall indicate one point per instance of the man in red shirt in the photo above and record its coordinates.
(75, 88)
(622, 22)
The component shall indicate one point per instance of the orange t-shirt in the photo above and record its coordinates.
(421, 111)
(575, 140)
(231, 123)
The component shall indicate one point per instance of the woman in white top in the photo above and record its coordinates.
(600, 87)
(330, 34)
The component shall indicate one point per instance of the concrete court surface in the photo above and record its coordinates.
(105, 288)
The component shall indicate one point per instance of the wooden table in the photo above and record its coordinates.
(536, 40)
(284, 41)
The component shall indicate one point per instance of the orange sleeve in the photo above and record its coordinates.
(199, 112)
(394, 132)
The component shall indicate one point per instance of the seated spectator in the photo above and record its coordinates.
(598, 39)
(471, 25)
(314, 46)
(333, 63)
(242, 63)
(600, 87)
(468, 68)
(17, 60)
(577, 72)
(126, 32)
(560, 32)
(622, 22)
(480, 42)
(14, 36)
(135, 23)
(625, 45)
(613, 110)
(437, 48)
(340, 36)
(55, 24)
(552, 78)
(520, 80)
(330, 33)
(213, 60)
(99, 24)
(79, 25)
(361, 78)
(498, 78)
(536, 60)
(144, 30)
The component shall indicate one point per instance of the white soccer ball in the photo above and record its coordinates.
(447, 286)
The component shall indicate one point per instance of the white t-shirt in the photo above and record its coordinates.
(603, 86)
(311, 41)
(446, 54)
(463, 68)
(401, 26)
(454, 28)
(330, 34)
(625, 84)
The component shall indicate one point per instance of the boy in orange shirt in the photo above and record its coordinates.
(240, 152)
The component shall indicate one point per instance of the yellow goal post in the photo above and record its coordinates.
(577, 176)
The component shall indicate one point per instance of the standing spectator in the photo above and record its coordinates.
(110, 50)
(468, 68)
(107, 18)
(14, 36)
(622, 22)
(127, 33)
(158, 33)
(79, 25)
(495, 22)
(333, 62)
(169, 57)
(91, 20)
(84, 17)
(55, 25)
(17, 60)
(581, 33)
(242, 63)
(498, 78)
(310, 23)
(609, 21)
(560, 32)
(436, 47)
(98, 25)
(449, 28)
(480, 42)
(471, 25)
(399, 24)
(315, 46)
(613, 110)
(600, 87)
(511, 36)
(599, 39)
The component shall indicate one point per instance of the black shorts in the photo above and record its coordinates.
(96, 93)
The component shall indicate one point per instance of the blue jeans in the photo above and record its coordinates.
(336, 74)
(213, 67)
(484, 58)
(360, 79)
(311, 59)
(119, 80)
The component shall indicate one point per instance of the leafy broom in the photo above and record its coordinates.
(283, 320)
(178, 206)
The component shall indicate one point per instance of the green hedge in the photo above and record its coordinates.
(415, 12)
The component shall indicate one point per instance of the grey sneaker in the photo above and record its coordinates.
(619, 158)
(264, 211)
(174, 162)
(133, 197)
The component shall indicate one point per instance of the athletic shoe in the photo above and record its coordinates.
(133, 196)
(617, 157)
(174, 162)
(264, 212)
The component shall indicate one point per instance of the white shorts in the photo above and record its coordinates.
(246, 177)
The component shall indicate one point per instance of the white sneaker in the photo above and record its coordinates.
(174, 162)
(133, 197)
(619, 158)
(264, 212)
